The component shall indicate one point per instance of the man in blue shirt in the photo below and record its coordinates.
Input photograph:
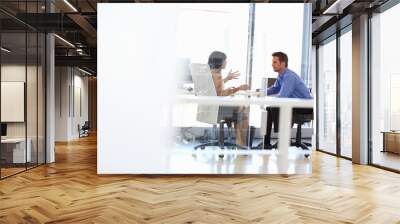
(287, 85)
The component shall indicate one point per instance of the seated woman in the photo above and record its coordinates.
(217, 61)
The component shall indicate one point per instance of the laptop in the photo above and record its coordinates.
(3, 131)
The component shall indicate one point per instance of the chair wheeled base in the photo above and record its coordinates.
(221, 138)
(303, 145)
(225, 144)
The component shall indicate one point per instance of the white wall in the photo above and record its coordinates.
(69, 82)
(80, 103)
(61, 103)
(135, 83)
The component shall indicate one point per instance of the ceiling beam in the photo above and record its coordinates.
(83, 61)
(84, 24)
(337, 7)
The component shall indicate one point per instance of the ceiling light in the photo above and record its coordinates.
(64, 40)
(70, 5)
(84, 71)
(79, 51)
(5, 50)
(338, 6)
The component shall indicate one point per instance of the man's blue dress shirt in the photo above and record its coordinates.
(289, 85)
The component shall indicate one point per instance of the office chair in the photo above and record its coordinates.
(84, 130)
(211, 114)
(221, 143)
(300, 117)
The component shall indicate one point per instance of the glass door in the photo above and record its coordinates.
(327, 96)
(22, 77)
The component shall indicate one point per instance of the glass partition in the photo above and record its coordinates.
(22, 88)
(205, 133)
(15, 152)
(212, 131)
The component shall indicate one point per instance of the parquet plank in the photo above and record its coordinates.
(70, 191)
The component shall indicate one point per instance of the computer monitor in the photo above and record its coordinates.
(271, 82)
(3, 129)
(183, 70)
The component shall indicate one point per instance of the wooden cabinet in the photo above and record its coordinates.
(391, 142)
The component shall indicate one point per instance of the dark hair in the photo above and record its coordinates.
(216, 59)
(282, 57)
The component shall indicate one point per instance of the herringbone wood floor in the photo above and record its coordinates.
(70, 191)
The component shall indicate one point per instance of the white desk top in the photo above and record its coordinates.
(13, 140)
(245, 101)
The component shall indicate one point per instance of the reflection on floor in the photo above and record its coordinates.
(10, 171)
(184, 159)
(387, 159)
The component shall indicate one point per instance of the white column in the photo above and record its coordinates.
(306, 43)
(50, 92)
(50, 99)
(63, 103)
(360, 90)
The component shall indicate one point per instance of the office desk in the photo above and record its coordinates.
(16, 153)
(285, 104)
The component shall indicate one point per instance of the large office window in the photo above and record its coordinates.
(385, 89)
(202, 29)
(346, 93)
(327, 96)
(215, 27)
(335, 73)
(272, 35)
